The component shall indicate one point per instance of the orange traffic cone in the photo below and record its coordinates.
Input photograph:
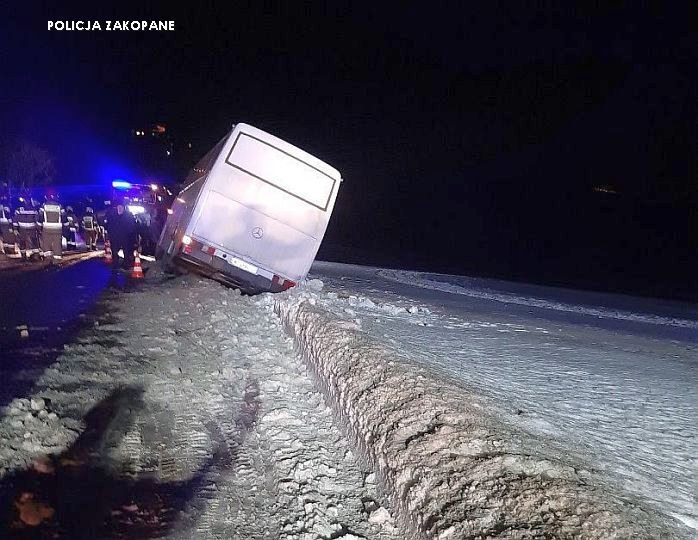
(137, 272)
(107, 252)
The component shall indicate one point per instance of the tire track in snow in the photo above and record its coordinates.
(215, 370)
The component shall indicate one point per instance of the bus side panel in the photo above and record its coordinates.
(177, 222)
(185, 204)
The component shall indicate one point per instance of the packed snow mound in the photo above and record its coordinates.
(618, 397)
(452, 470)
(468, 287)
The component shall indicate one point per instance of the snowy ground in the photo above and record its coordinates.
(183, 413)
(600, 384)
(422, 407)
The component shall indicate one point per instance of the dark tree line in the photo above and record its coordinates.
(25, 165)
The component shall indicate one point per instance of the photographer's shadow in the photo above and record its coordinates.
(75, 495)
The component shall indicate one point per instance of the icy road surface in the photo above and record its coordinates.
(609, 380)
(184, 412)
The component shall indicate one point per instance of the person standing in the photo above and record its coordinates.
(157, 222)
(101, 219)
(89, 226)
(71, 227)
(121, 229)
(25, 224)
(8, 239)
(143, 221)
(51, 229)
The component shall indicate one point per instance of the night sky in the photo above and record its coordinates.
(470, 140)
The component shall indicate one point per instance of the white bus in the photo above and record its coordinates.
(252, 212)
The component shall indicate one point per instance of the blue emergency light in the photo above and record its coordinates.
(121, 184)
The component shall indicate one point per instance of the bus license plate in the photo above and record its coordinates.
(247, 267)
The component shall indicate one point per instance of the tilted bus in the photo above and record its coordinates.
(252, 213)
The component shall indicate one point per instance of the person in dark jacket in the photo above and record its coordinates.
(8, 238)
(70, 227)
(121, 229)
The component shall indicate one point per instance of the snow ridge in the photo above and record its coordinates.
(450, 469)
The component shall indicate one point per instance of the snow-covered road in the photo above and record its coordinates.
(184, 412)
(611, 381)
(421, 406)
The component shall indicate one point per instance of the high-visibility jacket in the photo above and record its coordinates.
(89, 223)
(51, 216)
(25, 218)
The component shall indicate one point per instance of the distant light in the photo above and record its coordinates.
(121, 184)
(135, 209)
(606, 189)
(168, 152)
(169, 211)
(154, 187)
(179, 199)
(189, 145)
(21, 199)
(186, 240)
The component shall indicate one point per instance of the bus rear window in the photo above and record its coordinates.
(272, 165)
